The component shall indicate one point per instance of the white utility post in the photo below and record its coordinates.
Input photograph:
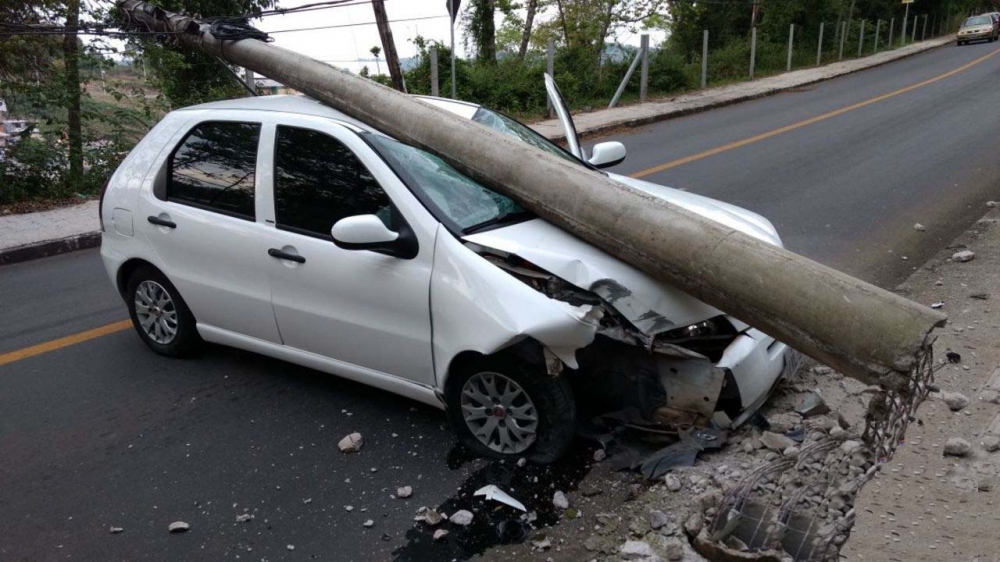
(861, 38)
(753, 48)
(251, 82)
(451, 9)
(704, 58)
(434, 71)
(843, 37)
(550, 67)
(878, 27)
(892, 24)
(906, 15)
(819, 49)
(791, 38)
(644, 68)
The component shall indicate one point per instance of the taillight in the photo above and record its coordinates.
(100, 204)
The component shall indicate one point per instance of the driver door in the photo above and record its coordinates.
(358, 307)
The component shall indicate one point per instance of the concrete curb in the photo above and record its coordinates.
(698, 101)
(47, 248)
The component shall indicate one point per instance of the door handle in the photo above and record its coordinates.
(161, 222)
(276, 253)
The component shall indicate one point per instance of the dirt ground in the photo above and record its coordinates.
(921, 505)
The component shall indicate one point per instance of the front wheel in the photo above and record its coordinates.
(159, 314)
(503, 409)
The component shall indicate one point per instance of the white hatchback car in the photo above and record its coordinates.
(281, 226)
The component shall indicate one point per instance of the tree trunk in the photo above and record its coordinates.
(71, 56)
(529, 20)
(487, 36)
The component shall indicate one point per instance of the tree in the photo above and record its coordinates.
(74, 126)
(529, 19)
(375, 52)
(482, 29)
(187, 76)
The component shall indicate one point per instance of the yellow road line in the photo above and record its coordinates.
(810, 121)
(63, 342)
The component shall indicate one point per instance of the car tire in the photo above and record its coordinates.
(551, 397)
(159, 314)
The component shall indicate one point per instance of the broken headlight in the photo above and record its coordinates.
(709, 338)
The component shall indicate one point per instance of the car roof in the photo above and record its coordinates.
(304, 105)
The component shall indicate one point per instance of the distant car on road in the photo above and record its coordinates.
(977, 28)
(284, 227)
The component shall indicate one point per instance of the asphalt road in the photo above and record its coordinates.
(847, 190)
(106, 434)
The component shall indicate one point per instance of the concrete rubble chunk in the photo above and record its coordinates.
(955, 400)
(991, 443)
(957, 447)
(179, 527)
(776, 441)
(963, 256)
(440, 534)
(559, 500)
(673, 482)
(290, 547)
(919, 227)
(244, 517)
(637, 550)
(658, 519)
(600, 455)
(431, 517)
(674, 550)
(351, 443)
(404, 492)
(369, 523)
(462, 517)
(992, 204)
(541, 542)
(116, 530)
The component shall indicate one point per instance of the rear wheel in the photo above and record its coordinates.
(504, 409)
(159, 314)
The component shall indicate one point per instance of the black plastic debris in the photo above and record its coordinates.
(684, 452)
(953, 357)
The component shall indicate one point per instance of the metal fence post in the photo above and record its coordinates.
(753, 49)
(628, 76)
(819, 49)
(923, 34)
(434, 71)
(861, 39)
(791, 38)
(902, 34)
(878, 26)
(550, 67)
(704, 59)
(644, 70)
(892, 24)
(843, 37)
(251, 82)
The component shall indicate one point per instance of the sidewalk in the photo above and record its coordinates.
(37, 235)
(924, 505)
(597, 122)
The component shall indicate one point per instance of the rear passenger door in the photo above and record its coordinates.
(201, 220)
(358, 307)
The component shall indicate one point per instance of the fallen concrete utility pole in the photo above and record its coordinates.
(857, 328)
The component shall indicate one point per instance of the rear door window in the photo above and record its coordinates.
(318, 181)
(214, 166)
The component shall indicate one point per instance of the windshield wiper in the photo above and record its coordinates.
(498, 220)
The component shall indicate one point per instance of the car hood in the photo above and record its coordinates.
(652, 306)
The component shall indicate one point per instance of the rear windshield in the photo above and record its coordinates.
(978, 20)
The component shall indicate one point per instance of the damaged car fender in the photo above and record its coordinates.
(475, 306)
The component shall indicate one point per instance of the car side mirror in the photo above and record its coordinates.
(368, 232)
(607, 154)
